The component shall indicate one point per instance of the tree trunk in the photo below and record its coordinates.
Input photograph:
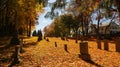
(27, 27)
(87, 24)
(69, 30)
(76, 39)
(83, 27)
(119, 10)
(6, 19)
(110, 23)
(98, 29)
(118, 5)
(29, 34)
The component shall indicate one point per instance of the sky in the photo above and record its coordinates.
(43, 22)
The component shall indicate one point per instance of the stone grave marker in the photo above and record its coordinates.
(106, 45)
(117, 44)
(55, 44)
(66, 48)
(84, 54)
(99, 44)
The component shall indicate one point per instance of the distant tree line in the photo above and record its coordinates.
(79, 16)
(38, 33)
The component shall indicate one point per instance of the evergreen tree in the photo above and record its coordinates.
(34, 33)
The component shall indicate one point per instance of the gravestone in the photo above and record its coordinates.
(99, 44)
(47, 40)
(55, 44)
(62, 38)
(117, 44)
(65, 48)
(84, 54)
(44, 37)
(106, 45)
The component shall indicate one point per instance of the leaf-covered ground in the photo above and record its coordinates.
(45, 54)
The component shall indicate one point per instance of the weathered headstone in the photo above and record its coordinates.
(99, 44)
(44, 37)
(62, 38)
(84, 54)
(106, 45)
(84, 48)
(117, 42)
(47, 39)
(55, 44)
(65, 48)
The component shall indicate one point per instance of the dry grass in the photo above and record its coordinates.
(45, 54)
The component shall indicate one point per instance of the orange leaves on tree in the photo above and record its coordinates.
(95, 6)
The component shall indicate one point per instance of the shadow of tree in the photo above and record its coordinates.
(30, 44)
(4, 60)
(6, 47)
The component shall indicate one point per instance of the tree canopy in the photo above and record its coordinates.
(83, 15)
(15, 14)
(22, 15)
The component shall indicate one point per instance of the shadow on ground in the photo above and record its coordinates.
(93, 63)
(87, 59)
(30, 44)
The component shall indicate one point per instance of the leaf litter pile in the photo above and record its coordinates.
(46, 54)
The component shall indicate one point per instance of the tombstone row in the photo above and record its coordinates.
(106, 45)
(84, 52)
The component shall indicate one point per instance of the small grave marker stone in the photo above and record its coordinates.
(84, 54)
(106, 45)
